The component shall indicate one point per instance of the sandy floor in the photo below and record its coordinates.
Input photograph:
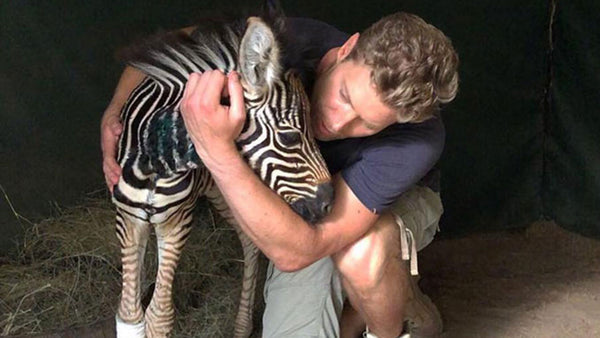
(542, 282)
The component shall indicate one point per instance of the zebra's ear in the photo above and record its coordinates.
(259, 56)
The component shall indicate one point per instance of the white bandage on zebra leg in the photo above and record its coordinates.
(126, 330)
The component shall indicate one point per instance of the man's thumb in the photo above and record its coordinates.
(236, 97)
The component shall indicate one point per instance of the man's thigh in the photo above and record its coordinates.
(420, 209)
(305, 303)
(417, 212)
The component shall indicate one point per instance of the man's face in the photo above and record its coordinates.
(345, 103)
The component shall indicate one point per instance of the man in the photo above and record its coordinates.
(374, 107)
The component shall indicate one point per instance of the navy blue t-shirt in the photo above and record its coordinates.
(378, 168)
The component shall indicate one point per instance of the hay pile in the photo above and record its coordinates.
(66, 273)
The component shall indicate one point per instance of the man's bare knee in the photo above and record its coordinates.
(363, 263)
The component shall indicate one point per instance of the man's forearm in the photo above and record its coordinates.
(281, 234)
(130, 78)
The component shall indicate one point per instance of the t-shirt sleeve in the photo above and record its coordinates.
(305, 42)
(393, 163)
(313, 34)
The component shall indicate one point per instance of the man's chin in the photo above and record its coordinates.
(317, 134)
(325, 138)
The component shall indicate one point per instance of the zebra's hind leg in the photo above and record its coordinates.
(160, 314)
(243, 319)
(133, 237)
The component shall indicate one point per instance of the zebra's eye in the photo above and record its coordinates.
(289, 138)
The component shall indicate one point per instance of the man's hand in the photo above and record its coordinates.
(111, 127)
(110, 130)
(213, 127)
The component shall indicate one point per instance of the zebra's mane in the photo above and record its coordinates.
(170, 57)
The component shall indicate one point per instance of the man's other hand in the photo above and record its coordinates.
(110, 130)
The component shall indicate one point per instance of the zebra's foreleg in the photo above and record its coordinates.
(133, 237)
(243, 319)
(160, 314)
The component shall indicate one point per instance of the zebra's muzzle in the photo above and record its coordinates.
(313, 209)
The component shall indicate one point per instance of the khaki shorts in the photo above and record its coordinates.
(308, 302)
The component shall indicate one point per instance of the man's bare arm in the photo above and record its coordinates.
(284, 237)
(273, 226)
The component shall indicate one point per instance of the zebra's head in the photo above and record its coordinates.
(277, 140)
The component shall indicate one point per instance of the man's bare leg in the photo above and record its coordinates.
(351, 324)
(376, 279)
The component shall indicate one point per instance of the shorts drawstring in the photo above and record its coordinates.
(407, 238)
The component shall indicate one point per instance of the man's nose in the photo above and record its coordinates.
(344, 118)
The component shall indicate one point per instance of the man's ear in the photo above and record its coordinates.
(347, 47)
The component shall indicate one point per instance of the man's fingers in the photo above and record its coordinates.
(111, 181)
(214, 87)
(190, 89)
(108, 185)
(237, 109)
(111, 130)
(111, 175)
(108, 145)
(110, 136)
(114, 178)
(109, 148)
(111, 170)
(115, 169)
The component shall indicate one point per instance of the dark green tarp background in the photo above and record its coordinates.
(522, 145)
(572, 175)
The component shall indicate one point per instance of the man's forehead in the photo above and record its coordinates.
(364, 95)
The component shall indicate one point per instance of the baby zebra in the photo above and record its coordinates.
(162, 175)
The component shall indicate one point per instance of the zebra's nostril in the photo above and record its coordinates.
(301, 209)
(324, 199)
(313, 209)
(325, 194)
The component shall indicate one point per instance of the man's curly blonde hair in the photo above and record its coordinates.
(414, 66)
